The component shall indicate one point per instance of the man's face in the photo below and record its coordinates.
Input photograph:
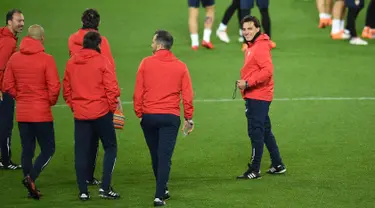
(17, 22)
(154, 45)
(249, 30)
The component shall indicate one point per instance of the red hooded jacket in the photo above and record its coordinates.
(75, 44)
(161, 80)
(90, 86)
(8, 45)
(258, 70)
(31, 77)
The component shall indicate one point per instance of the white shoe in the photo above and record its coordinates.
(222, 35)
(240, 39)
(358, 41)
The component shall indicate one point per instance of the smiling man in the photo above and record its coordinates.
(256, 86)
(8, 43)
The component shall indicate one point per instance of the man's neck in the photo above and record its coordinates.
(11, 30)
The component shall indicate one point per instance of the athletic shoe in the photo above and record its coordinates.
(110, 194)
(280, 169)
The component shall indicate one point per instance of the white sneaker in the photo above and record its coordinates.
(223, 36)
(358, 41)
(240, 39)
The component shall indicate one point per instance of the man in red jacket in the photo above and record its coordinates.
(31, 77)
(161, 80)
(257, 85)
(90, 22)
(93, 100)
(8, 45)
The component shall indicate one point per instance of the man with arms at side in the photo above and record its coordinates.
(8, 45)
(31, 77)
(161, 81)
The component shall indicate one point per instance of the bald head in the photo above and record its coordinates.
(36, 32)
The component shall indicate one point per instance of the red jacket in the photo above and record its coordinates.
(8, 45)
(90, 86)
(160, 81)
(75, 44)
(31, 77)
(258, 70)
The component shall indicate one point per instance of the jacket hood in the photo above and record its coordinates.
(165, 55)
(262, 38)
(5, 32)
(31, 46)
(84, 55)
(79, 35)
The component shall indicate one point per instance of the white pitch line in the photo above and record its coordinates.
(276, 99)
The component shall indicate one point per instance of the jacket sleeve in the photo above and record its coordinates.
(139, 91)
(5, 54)
(9, 83)
(264, 61)
(53, 81)
(110, 85)
(67, 89)
(106, 51)
(187, 95)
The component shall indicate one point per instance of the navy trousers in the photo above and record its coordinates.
(84, 135)
(93, 155)
(6, 127)
(44, 133)
(160, 131)
(260, 133)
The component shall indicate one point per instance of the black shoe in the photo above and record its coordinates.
(11, 166)
(158, 202)
(250, 174)
(31, 188)
(29, 195)
(110, 194)
(93, 182)
(280, 169)
(84, 196)
(166, 195)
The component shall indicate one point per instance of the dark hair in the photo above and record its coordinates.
(90, 19)
(253, 19)
(92, 40)
(164, 38)
(10, 14)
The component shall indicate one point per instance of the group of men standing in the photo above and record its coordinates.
(30, 77)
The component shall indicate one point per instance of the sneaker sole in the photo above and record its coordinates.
(108, 197)
(279, 172)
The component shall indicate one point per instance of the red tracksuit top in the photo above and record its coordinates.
(75, 43)
(258, 70)
(161, 80)
(8, 45)
(31, 77)
(90, 86)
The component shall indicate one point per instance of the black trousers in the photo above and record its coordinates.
(84, 135)
(44, 133)
(6, 127)
(260, 133)
(160, 131)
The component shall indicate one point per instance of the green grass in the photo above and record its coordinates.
(326, 145)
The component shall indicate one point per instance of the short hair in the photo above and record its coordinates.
(90, 19)
(10, 14)
(164, 38)
(92, 40)
(250, 18)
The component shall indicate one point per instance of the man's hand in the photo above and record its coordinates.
(242, 84)
(1, 96)
(119, 105)
(188, 127)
